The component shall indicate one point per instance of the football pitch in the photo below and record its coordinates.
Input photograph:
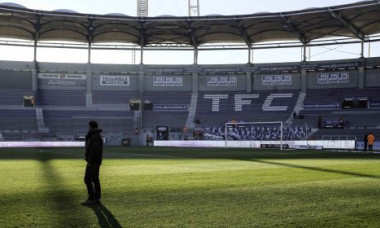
(178, 187)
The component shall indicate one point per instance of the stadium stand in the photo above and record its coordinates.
(217, 108)
(18, 119)
(171, 108)
(114, 97)
(61, 98)
(325, 101)
(13, 96)
(67, 95)
(164, 104)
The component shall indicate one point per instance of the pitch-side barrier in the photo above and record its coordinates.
(306, 144)
(309, 144)
(10, 144)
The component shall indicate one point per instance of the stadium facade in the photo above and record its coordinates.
(54, 101)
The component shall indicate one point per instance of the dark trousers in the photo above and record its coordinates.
(91, 179)
(370, 147)
(365, 146)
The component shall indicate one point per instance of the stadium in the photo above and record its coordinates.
(250, 144)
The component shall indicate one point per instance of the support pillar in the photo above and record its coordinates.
(141, 78)
(304, 58)
(89, 102)
(195, 62)
(195, 83)
(249, 54)
(35, 68)
(249, 82)
(303, 81)
(142, 55)
(362, 50)
(89, 85)
(35, 77)
(361, 80)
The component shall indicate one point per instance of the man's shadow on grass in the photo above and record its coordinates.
(105, 217)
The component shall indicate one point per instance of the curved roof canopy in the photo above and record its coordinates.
(11, 4)
(357, 20)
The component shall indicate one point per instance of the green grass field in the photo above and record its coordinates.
(170, 187)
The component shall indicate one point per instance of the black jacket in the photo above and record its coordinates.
(94, 147)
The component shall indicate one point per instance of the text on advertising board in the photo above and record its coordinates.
(277, 79)
(218, 81)
(168, 81)
(114, 80)
(58, 76)
(333, 78)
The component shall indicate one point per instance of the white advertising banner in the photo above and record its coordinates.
(41, 144)
(324, 144)
(167, 81)
(277, 79)
(221, 81)
(333, 78)
(114, 80)
(58, 76)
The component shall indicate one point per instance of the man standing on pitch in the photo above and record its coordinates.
(365, 139)
(93, 157)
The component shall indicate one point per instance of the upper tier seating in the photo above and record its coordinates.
(323, 101)
(61, 97)
(13, 97)
(169, 108)
(114, 97)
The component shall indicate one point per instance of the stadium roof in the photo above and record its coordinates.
(358, 20)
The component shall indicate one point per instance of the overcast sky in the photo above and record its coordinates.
(179, 8)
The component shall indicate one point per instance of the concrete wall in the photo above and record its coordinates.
(15, 79)
(16, 65)
(47, 84)
(114, 68)
(62, 67)
(18, 75)
(372, 77)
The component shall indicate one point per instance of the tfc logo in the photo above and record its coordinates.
(246, 99)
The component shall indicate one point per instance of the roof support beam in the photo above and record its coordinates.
(246, 37)
(90, 37)
(249, 54)
(304, 58)
(293, 28)
(352, 28)
(194, 41)
(142, 41)
(243, 32)
(36, 36)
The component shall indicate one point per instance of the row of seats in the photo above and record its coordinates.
(207, 101)
(331, 99)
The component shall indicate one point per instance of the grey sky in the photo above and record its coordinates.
(179, 7)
